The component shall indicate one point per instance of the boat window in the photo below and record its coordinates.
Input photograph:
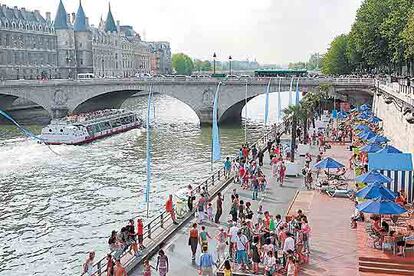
(61, 130)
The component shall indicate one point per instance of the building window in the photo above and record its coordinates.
(81, 61)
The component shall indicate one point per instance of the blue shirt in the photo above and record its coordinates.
(206, 260)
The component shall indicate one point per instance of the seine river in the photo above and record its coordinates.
(57, 204)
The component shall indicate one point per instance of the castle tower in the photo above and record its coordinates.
(83, 42)
(110, 25)
(66, 56)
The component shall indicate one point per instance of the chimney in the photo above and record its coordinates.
(73, 17)
(68, 18)
(87, 21)
(118, 27)
(48, 17)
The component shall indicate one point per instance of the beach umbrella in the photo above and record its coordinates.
(378, 139)
(363, 116)
(376, 190)
(389, 149)
(364, 107)
(370, 148)
(366, 135)
(328, 163)
(374, 120)
(373, 177)
(362, 128)
(381, 206)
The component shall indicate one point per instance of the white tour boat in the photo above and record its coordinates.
(87, 127)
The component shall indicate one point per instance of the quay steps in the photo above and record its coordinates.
(386, 266)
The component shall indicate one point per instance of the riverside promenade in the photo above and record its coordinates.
(276, 200)
(333, 244)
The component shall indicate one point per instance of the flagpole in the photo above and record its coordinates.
(215, 141)
(245, 115)
(279, 104)
(267, 105)
(148, 187)
(290, 91)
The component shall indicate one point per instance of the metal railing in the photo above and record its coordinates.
(163, 220)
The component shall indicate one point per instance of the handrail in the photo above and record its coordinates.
(163, 217)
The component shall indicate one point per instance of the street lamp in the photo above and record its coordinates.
(69, 61)
(230, 64)
(214, 63)
(103, 68)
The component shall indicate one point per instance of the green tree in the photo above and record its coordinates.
(335, 61)
(182, 64)
(408, 37)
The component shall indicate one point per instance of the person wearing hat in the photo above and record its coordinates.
(242, 247)
(221, 243)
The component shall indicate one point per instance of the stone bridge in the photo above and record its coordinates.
(61, 97)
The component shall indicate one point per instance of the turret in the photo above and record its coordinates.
(110, 25)
(83, 42)
(66, 56)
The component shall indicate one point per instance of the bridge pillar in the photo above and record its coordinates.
(206, 116)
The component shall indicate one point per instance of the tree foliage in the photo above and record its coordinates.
(182, 64)
(202, 66)
(335, 61)
(381, 38)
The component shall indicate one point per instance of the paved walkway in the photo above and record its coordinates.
(333, 243)
(276, 200)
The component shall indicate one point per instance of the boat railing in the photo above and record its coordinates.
(157, 226)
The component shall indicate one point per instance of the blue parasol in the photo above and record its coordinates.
(363, 128)
(371, 148)
(374, 120)
(375, 190)
(378, 139)
(389, 149)
(366, 135)
(328, 163)
(381, 206)
(373, 177)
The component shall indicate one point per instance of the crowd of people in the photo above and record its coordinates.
(255, 240)
(250, 240)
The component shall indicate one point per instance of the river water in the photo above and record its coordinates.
(57, 204)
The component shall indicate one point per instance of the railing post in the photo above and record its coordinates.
(162, 220)
(98, 267)
(218, 174)
(212, 180)
(149, 230)
(206, 185)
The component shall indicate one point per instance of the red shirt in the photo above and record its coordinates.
(140, 228)
(245, 152)
(169, 205)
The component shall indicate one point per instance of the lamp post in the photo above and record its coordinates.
(230, 64)
(103, 68)
(69, 61)
(214, 63)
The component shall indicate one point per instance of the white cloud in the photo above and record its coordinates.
(273, 31)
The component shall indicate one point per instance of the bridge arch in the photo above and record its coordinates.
(8, 97)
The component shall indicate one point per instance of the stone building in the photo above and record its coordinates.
(27, 44)
(160, 58)
(33, 47)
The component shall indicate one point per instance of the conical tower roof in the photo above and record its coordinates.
(61, 19)
(110, 25)
(80, 20)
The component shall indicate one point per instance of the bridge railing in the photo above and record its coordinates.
(259, 80)
(399, 90)
(157, 226)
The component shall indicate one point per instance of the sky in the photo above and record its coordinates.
(270, 31)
